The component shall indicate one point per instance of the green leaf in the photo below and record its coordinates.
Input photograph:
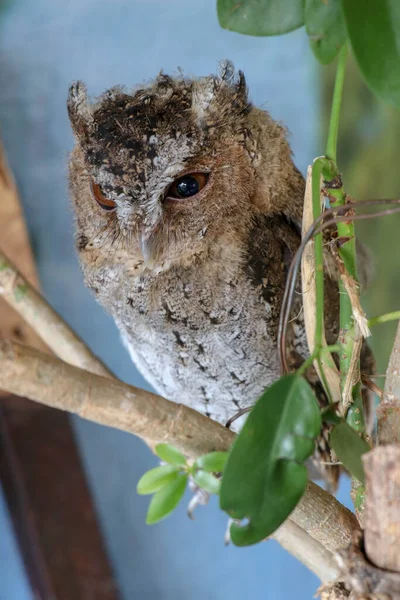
(329, 415)
(264, 478)
(155, 479)
(166, 500)
(374, 31)
(170, 454)
(213, 462)
(207, 482)
(325, 27)
(349, 448)
(260, 17)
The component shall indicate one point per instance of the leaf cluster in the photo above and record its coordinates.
(372, 28)
(168, 482)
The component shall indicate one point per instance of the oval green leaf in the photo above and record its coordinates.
(260, 17)
(325, 28)
(170, 454)
(155, 479)
(213, 462)
(374, 31)
(166, 500)
(264, 476)
(207, 482)
(349, 448)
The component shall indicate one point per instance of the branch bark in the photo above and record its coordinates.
(307, 550)
(45, 379)
(388, 411)
(54, 332)
(382, 472)
(382, 509)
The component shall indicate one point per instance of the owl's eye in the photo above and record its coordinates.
(98, 195)
(188, 185)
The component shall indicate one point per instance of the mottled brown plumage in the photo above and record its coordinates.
(194, 284)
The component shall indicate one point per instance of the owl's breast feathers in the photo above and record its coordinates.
(205, 335)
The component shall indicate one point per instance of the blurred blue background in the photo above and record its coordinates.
(44, 45)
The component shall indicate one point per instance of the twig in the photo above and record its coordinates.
(392, 316)
(44, 320)
(45, 379)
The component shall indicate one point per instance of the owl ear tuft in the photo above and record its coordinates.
(226, 71)
(224, 94)
(79, 110)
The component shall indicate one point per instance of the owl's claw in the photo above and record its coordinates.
(200, 498)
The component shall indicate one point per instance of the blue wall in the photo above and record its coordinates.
(44, 45)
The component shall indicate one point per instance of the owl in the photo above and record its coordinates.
(188, 209)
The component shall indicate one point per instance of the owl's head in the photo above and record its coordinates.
(176, 165)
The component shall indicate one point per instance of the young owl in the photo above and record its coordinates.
(188, 208)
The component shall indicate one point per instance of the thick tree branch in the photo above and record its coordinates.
(48, 380)
(45, 379)
(307, 550)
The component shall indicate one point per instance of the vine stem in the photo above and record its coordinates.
(347, 250)
(331, 145)
(392, 316)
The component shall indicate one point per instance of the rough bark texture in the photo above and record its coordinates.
(382, 511)
(310, 552)
(388, 411)
(48, 380)
(365, 580)
(382, 506)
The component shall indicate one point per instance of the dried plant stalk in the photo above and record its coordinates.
(330, 370)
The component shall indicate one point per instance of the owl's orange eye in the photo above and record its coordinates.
(98, 195)
(187, 186)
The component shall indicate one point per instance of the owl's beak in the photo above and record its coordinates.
(147, 247)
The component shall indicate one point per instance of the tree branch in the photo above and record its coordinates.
(44, 320)
(307, 550)
(43, 378)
